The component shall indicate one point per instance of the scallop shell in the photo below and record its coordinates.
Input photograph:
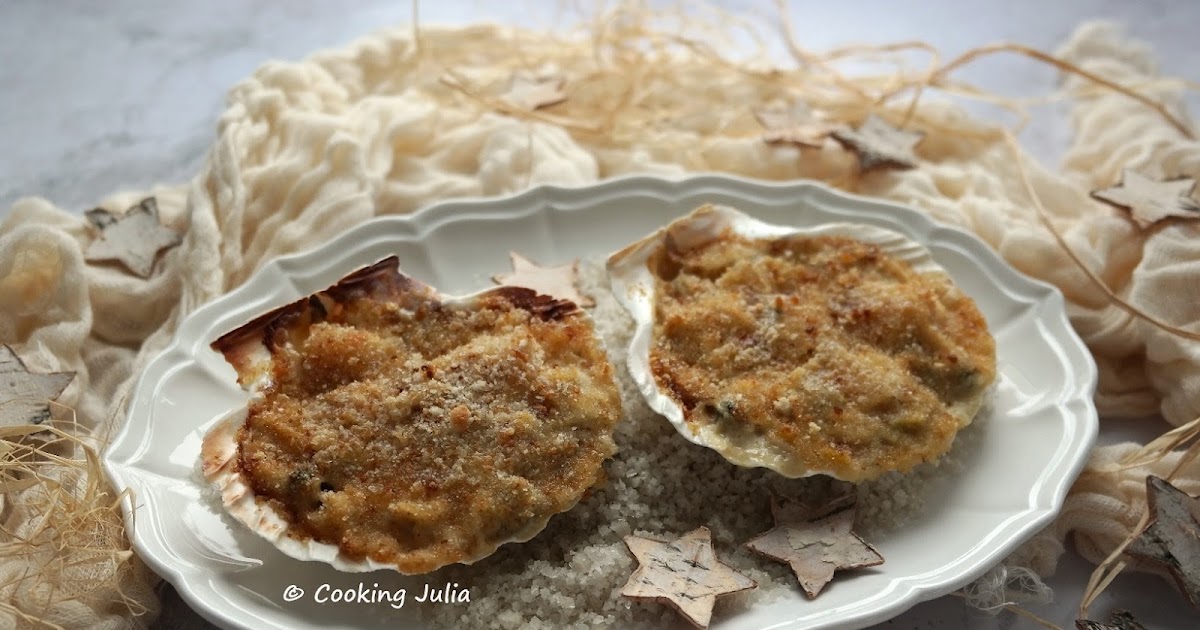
(218, 455)
(246, 350)
(633, 285)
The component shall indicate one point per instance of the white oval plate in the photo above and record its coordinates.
(1041, 427)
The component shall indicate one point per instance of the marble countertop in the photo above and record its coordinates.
(100, 97)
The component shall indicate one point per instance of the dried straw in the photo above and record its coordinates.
(61, 518)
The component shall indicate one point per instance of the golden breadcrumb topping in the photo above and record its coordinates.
(420, 435)
(824, 349)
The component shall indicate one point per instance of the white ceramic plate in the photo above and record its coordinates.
(1042, 422)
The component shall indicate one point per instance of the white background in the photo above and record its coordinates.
(97, 97)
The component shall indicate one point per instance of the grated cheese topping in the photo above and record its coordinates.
(819, 351)
(420, 433)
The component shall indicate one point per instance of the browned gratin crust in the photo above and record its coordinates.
(832, 352)
(415, 431)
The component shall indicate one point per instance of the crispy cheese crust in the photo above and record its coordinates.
(823, 349)
(416, 432)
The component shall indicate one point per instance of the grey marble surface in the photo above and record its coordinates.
(102, 96)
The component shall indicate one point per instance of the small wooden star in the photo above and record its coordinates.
(535, 92)
(1171, 539)
(684, 574)
(1150, 201)
(815, 543)
(556, 282)
(25, 396)
(134, 238)
(1118, 620)
(878, 143)
(794, 124)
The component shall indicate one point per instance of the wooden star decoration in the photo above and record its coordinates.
(559, 282)
(1118, 620)
(25, 396)
(1171, 539)
(535, 92)
(815, 543)
(793, 124)
(134, 238)
(684, 574)
(878, 143)
(1150, 201)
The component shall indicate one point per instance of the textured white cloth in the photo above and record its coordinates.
(306, 150)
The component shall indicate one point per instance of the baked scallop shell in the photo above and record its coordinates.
(634, 284)
(250, 349)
